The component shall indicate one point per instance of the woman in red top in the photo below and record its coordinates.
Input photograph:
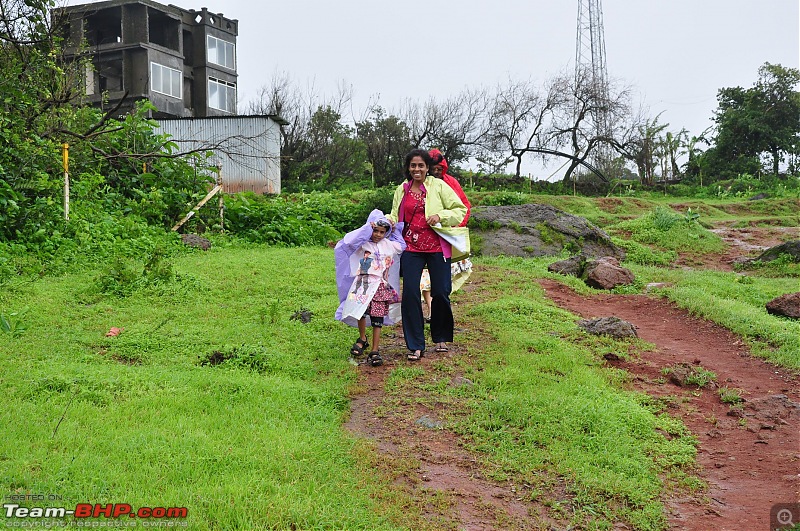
(421, 203)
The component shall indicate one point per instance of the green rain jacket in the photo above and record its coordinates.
(441, 200)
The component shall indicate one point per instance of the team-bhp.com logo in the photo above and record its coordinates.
(23, 515)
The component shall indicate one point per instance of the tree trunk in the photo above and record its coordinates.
(775, 161)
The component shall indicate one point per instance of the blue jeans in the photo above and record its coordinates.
(411, 306)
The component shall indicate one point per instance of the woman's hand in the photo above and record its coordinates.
(433, 220)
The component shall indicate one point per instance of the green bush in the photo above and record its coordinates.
(302, 219)
(670, 231)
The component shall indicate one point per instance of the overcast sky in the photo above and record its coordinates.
(675, 54)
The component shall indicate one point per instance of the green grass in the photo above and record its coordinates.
(253, 443)
(668, 230)
(736, 304)
(544, 406)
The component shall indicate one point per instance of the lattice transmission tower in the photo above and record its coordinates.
(590, 60)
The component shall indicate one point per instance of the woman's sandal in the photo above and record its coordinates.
(358, 347)
(441, 347)
(374, 358)
(414, 355)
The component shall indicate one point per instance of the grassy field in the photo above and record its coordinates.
(216, 399)
(145, 418)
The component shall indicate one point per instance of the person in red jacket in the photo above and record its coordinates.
(462, 269)
(439, 170)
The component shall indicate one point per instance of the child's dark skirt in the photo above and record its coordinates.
(379, 307)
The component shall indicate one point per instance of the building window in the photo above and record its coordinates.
(166, 80)
(221, 53)
(222, 95)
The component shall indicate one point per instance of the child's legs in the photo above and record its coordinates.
(377, 325)
(362, 328)
(426, 295)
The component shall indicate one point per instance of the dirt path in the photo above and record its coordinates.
(746, 242)
(750, 464)
(428, 461)
(750, 459)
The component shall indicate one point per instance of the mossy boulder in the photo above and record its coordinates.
(790, 249)
(538, 230)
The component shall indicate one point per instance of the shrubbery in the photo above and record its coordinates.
(670, 230)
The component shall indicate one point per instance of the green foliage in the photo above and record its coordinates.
(123, 275)
(544, 408)
(13, 323)
(328, 154)
(640, 254)
(701, 377)
(269, 419)
(691, 216)
(762, 120)
(783, 266)
(716, 295)
(505, 198)
(303, 219)
(669, 230)
(387, 140)
(730, 395)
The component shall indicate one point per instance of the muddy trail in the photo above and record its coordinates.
(749, 456)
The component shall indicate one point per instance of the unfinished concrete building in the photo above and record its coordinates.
(183, 61)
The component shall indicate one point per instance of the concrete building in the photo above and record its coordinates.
(183, 61)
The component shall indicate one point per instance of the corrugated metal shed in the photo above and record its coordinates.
(247, 148)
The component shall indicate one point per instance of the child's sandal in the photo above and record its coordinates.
(374, 358)
(358, 347)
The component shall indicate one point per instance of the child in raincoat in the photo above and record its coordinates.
(368, 281)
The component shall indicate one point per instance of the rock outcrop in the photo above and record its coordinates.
(602, 273)
(606, 273)
(537, 230)
(609, 326)
(787, 305)
(790, 248)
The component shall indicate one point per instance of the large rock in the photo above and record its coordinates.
(571, 266)
(609, 326)
(538, 230)
(791, 248)
(606, 273)
(193, 240)
(787, 305)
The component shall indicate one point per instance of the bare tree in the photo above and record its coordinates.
(520, 121)
(313, 141)
(576, 126)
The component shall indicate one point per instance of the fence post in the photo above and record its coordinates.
(65, 157)
(221, 199)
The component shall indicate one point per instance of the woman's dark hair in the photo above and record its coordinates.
(424, 155)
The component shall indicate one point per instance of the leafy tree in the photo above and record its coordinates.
(387, 140)
(40, 110)
(762, 120)
(335, 153)
(317, 149)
